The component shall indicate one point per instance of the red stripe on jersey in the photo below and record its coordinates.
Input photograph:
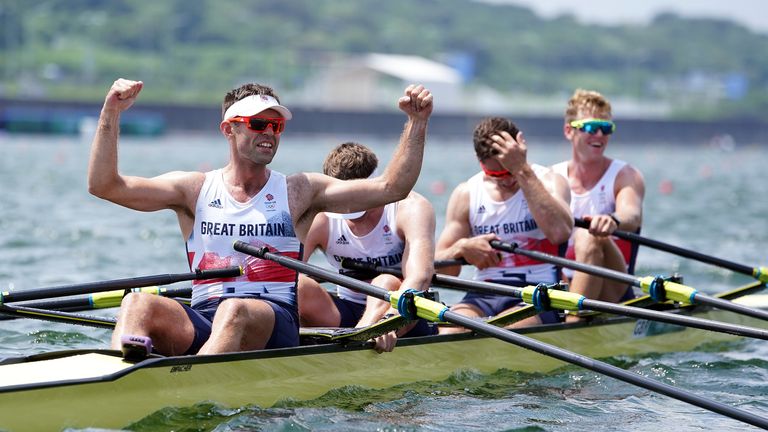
(259, 270)
(543, 245)
(212, 260)
(255, 269)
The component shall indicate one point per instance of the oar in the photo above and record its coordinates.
(659, 289)
(116, 284)
(57, 316)
(759, 273)
(449, 263)
(408, 303)
(544, 298)
(104, 300)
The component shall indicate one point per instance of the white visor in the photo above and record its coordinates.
(347, 216)
(254, 104)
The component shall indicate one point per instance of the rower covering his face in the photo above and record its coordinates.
(511, 200)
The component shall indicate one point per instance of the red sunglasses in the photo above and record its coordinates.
(259, 124)
(496, 174)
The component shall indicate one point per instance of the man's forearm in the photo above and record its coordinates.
(551, 215)
(405, 166)
(102, 167)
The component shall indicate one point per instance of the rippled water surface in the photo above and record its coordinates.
(52, 232)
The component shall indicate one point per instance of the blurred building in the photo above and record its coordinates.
(368, 83)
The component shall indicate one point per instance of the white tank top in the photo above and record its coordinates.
(511, 221)
(382, 246)
(263, 221)
(598, 200)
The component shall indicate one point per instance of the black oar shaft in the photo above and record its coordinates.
(596, 305)
(517, 339)
(730, 306)
(449, 263)
(116, 284)
(687, 253)
(684, 320)
(563, 262)
(58, 316)
(89, 302)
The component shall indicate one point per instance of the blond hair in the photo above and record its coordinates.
(587, 102)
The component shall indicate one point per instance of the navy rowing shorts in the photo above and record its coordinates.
(350, 311)
(285, 333)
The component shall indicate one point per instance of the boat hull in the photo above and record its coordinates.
(98, 389)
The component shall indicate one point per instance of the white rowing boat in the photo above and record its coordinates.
(97, 388)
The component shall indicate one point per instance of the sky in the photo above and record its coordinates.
(753, 14)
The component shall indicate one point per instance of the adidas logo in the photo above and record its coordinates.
(216, 204)
(342, 240)
(481, 209)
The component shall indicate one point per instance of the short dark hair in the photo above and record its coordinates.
(483, 131)
(244, 91)
(350, 160)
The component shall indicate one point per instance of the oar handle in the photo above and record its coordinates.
(687, 253)
(328, 275)
(368, 267)
(222, 273)
(116, 284)
(450, 263)
(580, 223)
(563, 262)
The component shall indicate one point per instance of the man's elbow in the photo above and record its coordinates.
(397, 191)
(99, 189)
(560, 234)
(401, 185)
(95, 189)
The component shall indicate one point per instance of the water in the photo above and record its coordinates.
(704, 198)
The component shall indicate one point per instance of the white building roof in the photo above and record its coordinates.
(413, 68)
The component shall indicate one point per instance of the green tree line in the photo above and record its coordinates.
(192, 52)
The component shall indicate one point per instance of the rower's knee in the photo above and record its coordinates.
(139, 304)
(588, 248)
(160, 318)
(386, 281)
(307, 291)
(232, 312)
